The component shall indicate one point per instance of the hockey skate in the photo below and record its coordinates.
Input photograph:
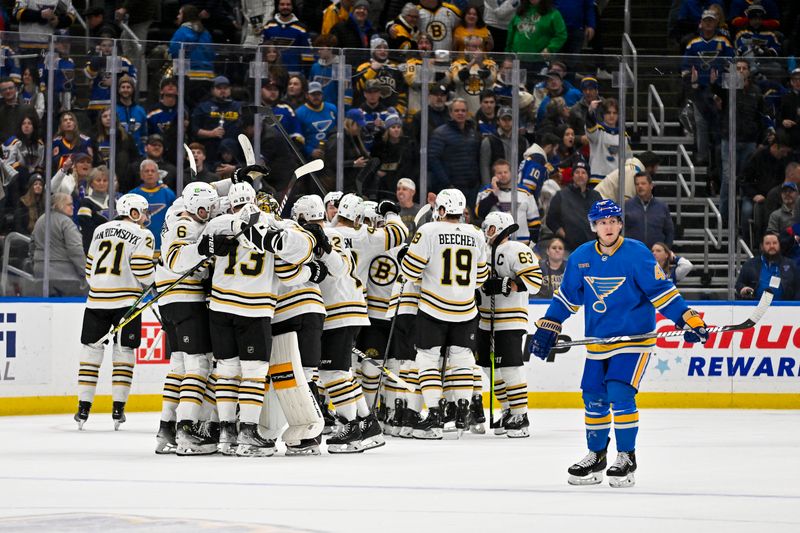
(410, 419)
(194, 438)
(118, 414)
(589, 470)
(227, 438)
(499, 425)
(517, 426)
(449, 411)
(330, 421)
(620, 474)
(431, 428)
(83, 413)
(252, 444)
(371, 434)
(477, 418)
(305, 447)
(462, 417)
(347, 440)
(165, 438)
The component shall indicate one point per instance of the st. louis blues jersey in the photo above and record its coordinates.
(706, 54)
(119, 264)
(450, 262)
(516, 261)
(618, 292)
(534, 170)
(315, 124)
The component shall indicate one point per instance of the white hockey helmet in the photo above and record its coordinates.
(128, 202)
(199, 195)
(452, 200)
(333, 196)
(241, 193)
(349, 207)
(368, 214)
(222, 206)
(497, 220)
(308, 208)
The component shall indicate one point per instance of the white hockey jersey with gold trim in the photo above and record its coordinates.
(179, 254)
(342, 291)
(119, 264)
(296, 295)
(382, 272)
(365, 243)
(244, 281)
(450, 260)
(513, 260)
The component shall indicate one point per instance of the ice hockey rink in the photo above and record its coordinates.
(699, 470)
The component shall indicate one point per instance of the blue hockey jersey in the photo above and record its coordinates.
(705, 55)
(534, 170)
(100, 94)
(289, 34)
(159, 200)
(619, 292)
(323, 74)
(315, 124)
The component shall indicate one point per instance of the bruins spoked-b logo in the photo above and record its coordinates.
(603, 288)
(437, 30)
(382, 271)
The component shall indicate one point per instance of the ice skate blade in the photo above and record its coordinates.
(117, 424)
(207, 449)
(248, 450)
(373, 442)
(622, 482)
(477, 429)
(594, 478)
(294, 452)
(165, 448)
(406, 432)
(518, 433)
(431, 434)
(80, 423)
(351, 447)
(227, 448)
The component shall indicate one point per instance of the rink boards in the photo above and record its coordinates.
(758, 368)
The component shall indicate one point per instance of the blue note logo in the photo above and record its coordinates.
(8, 333)
(603, 288)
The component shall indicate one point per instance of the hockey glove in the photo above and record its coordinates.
(494, 286)
(543, 340)
(318, 271)
(695, 327)
(387, 206)
(262, 238)
(401, 253)
(322, 245)
(220, 245)
(243, 174)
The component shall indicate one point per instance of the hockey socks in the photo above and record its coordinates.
(193, 386)
(227, 388)
(122, 373)
(88, 372)
(251, 390)
(172, 387)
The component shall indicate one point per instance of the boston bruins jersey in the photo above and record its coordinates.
(450, 262)
(295, 294)
(119, 264)
(342, 291)
(513, 260)
(365, 243)
(179, 254)
(440, 23)
(243, 282)
(382, 272)
(407, 300)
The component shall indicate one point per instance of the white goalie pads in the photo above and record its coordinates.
(288, 385)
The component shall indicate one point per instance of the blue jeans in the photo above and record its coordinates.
(743, 152)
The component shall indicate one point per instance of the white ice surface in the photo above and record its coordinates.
(699, 470)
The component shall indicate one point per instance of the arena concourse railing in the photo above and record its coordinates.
(71, 67)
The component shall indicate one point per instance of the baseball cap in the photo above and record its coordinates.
(789, 185)
(504, 111)
(314, 87)
(581, 164)
(709, 14)
(554, 74)
(372, 85)
(795, 72)
(221, 80)
(755, 10)
(155, 138)
(361, 3)
(408, 183)
(438, 89)
(357, 116)
(589, 82)
(81, 156)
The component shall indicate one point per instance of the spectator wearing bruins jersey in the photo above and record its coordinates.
(346, 313)
(449, 259)
(504, 309)
(389, 79)
(439, 20)
(118, 265)
(473, 73)
(242, 303)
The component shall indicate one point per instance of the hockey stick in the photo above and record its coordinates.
(424, 210)
(757, 314)
(191, 160)
(247, 149)
(388, 342)
(309, 168)
(253, 220)
(497, 241)
(403, 383)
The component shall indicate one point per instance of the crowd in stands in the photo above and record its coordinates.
(567, 143)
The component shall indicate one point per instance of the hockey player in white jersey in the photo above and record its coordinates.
(185, 315)
(331, 202)
(449, 259)
(346, 312)
(119, 265)
(241, 305)
(504, 315)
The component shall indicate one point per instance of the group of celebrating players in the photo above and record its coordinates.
(338, 307)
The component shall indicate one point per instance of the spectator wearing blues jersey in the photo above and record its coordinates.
(317, 119)
(196, 41)
(162, 117)
(375, 112)
(68, 140)
(754, 40)
(286, 30)
(131, 115)
(159, 197)
(217, 121)
(322, 71)
(95, 70)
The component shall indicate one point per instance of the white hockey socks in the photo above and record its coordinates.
(122, 374)
(370, 381)
(459, 379)
(89, 372)
(229, 373)
(172, 386)
(251, 390)
(193, 386)
(343, 391)
(430, 377)
(516, 387)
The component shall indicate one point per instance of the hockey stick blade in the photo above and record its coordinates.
(190, 158)
(391, 375)
(247, 149)
(312, 166)
(424, 210)
(755, 317)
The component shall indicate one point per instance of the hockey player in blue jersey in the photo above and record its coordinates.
(619, 283)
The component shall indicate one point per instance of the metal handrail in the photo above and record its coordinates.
(713, 209)
(653, 124)
(133, 36)
(683, 154)
(627, 23)
(681, 187)
(11, 237)
(744, 248)
(627, 43)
